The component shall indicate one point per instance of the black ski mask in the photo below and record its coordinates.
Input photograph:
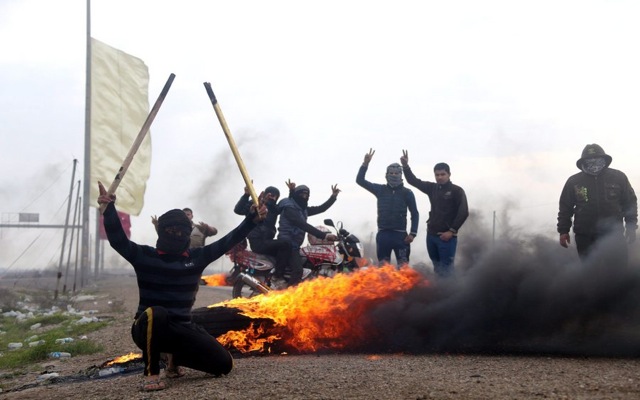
(275, 193)
(174, 232)
(297, 196)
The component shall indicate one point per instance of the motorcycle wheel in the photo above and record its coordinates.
(241, 289)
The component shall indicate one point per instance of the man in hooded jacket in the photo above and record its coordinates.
(294, 211)
(168, 277)
(601, 202)
(262, 237)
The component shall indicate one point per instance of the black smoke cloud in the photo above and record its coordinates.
(523, 294)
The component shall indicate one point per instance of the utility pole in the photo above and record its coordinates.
(75, 220)
(66, 225)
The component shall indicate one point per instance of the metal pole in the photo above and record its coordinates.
(85, 265)
(96, 245)
(75, 272)
(66, 225)
(75, 216)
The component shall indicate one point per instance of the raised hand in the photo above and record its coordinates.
(265, 197)
(369, 156)
(207, 229)
(404, 160)
(259, 213)
(290, 185)
(335, 190)
(103, 196)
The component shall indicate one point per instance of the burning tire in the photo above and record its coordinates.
(217, 321)
(220, 320)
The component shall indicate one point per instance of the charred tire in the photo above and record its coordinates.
(220, 320)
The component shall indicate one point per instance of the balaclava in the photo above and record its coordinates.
(274, 192)
(297, 192)
(174, 232)
(396, 179)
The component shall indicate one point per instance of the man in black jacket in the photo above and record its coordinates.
(601, 202)
(449, 210)
(168, 277)
(294, 211)
(262, 238)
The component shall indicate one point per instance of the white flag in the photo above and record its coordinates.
(119, 108)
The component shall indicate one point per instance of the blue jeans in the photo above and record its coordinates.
(388, 241)
(442, 254)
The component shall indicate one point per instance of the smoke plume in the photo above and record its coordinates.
(523, 294)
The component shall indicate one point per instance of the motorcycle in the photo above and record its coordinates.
(251, 273)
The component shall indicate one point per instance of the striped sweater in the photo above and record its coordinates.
(168, 280)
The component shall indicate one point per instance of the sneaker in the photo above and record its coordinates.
(278, 283)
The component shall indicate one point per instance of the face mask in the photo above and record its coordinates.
(174, 232)
(174, 239)
(394, 175)
(593, 166)
(301, 201)
(394, 180)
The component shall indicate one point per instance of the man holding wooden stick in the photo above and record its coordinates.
(168, 278)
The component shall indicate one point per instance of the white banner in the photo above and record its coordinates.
(119, 108)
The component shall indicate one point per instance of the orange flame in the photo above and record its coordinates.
(123, 359)
(215, 280)
(324, 313)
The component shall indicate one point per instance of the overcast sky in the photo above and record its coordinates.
(506, 92)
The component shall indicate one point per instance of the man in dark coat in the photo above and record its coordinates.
(262, 238)
(294, 211)
(601, 202)
(393, 201)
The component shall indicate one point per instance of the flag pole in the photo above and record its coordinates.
(84, 256)
(232, 143)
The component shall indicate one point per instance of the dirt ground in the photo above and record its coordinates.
(337, 376)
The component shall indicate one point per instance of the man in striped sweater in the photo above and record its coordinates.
(168, 277)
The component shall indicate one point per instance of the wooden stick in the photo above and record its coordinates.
(138, 141)
(232, 143)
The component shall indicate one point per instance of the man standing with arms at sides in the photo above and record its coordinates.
(393, 201)
(601, 202)
(449, 210)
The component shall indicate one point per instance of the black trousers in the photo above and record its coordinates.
(277, 248)
(154, 332)
(613, 247)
